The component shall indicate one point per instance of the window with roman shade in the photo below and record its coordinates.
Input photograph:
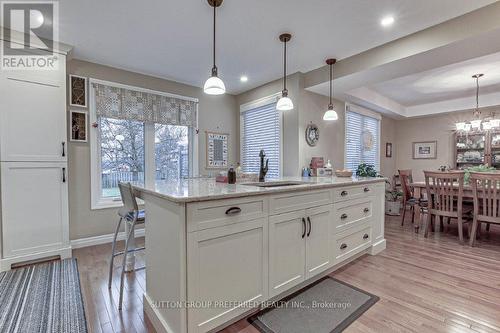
(362, 138)
(261, 129)
(140, 136)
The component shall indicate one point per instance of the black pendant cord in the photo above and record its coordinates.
(214, 36)
(331, 78)
(284, 69)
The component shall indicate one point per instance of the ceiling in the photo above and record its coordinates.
(444, 83)
(172, 39)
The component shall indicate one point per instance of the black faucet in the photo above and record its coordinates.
(263, 169)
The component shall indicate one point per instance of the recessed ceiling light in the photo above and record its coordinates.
(244, 78)
(387, 21)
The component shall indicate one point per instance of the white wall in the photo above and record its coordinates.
(216, 113)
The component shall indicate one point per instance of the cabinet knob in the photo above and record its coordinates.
(366, 210)
(343, 246)
(233, 211)
(365, 236)
(366, 189)
(343, 193)
(343, 216)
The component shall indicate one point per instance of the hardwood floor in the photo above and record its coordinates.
(424, 285)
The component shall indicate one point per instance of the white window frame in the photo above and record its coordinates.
(96, 199)
(365, 112)
(255, 104)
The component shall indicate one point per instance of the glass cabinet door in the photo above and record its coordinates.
(471, 150)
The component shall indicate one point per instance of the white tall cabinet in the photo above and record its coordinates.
(33, 165)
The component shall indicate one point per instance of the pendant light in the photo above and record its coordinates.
(330, 114)
(214, 85)
(284, 103)
(476, 123)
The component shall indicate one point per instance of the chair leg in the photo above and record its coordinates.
(460, 229)
(473, 232)
(427, 224)
(113, 248)
(404, 213)
(433, 219)
(488, 226)
(441, 224)
(412, 214)
(124, 262)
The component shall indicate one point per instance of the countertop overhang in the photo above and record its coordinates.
(205, 189)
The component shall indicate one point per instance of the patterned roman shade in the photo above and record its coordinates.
(121, 103)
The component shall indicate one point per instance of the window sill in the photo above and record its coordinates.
(107, 204)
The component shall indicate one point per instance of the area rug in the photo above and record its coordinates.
(42, 298)
(327, 306)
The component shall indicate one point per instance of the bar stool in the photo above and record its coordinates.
(133, 216)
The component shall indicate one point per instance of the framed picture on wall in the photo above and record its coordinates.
(424, 150)
(217, 147)
(79, 125)
(78, 91)
(388, 149)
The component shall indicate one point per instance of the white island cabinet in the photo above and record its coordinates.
(216, 252)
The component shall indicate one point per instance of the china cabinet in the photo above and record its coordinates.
(476, 148)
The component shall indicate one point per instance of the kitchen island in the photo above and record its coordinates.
(215, 252)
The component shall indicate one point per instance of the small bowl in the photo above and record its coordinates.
(343, 173)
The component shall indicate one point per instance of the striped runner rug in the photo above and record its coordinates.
(42, 298)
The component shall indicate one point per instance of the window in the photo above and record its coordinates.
(261, 129)
(133, 143)
(362, 138)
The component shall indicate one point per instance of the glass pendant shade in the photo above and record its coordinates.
(330, 114)
(284, 104)
(487, 126)
(467, 127)
(460, 126)
(495, 123)
(476, 123)
(214, 86)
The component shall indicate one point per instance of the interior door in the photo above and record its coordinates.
(32, 119)
(34, 207)
(318, 257)
(287, 251)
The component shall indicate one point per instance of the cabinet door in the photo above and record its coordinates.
(287, 251)
(318, 256)
(34, 208)
(226, 264)
(32, 120)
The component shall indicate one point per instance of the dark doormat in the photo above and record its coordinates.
(326, 306)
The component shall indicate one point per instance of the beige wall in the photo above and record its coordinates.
(216, 113)
(388, 134)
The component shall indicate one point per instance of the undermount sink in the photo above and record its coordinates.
(275, 184)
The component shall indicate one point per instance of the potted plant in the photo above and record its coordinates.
(392, 200)
(366, 170)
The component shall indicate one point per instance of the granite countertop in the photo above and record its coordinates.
(204, 189)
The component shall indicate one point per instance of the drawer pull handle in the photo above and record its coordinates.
(365, 236)
(304, 227)
(343, 246)
(63, 149)
(233, 211)
(343, 193)
(310, 226)
(366, 189)
(366, 210)
(343, 216)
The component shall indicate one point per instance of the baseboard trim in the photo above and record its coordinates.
(154, 316)
(378, 247)
(102, 239)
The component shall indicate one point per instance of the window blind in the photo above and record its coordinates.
(362, 141)
(261, 130)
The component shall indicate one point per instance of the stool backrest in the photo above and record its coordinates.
(445, 192)
(485, 188)
(128, 197)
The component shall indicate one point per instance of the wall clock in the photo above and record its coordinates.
(312, 135)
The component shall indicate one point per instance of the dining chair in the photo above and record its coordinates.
(406, 178)
(445, 198)
(485, 189)
(133, 216)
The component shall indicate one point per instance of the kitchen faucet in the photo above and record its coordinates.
(263, 170)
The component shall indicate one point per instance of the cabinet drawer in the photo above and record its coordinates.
(350, 244)
(353, 192)
(352, 213)
(293, 201)
(210, 214)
